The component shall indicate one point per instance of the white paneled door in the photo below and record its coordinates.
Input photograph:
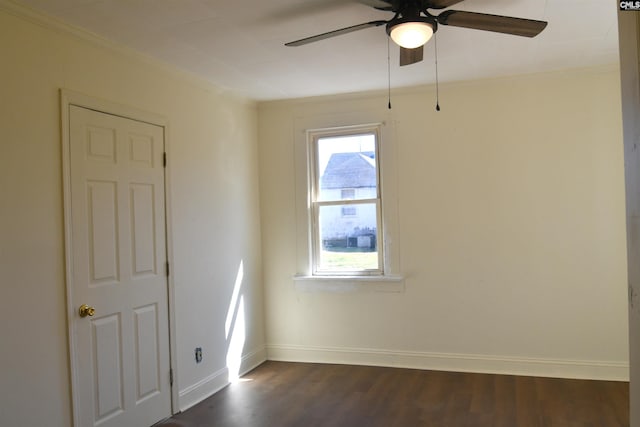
(120, 342)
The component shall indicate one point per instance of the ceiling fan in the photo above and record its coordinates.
(412, 25)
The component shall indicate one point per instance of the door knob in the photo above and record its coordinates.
(85, 311)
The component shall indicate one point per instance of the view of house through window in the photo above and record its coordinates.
(346, 203)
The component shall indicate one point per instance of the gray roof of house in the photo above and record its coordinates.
(349, 170)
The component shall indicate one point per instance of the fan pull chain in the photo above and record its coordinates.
(435, 42)
(389, 70)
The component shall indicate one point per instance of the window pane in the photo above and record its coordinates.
(346, 168)
(348, 194)
(349, 210)
(348, 243)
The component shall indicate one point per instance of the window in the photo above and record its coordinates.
(366, 259)
(346, 204)
(349, 211)
(348, 194)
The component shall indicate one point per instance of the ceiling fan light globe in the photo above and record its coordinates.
(411, 34)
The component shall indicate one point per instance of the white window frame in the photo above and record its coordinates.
(314, 136)
(304, 280)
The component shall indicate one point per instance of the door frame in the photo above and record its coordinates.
(629, 48)
(67, 99)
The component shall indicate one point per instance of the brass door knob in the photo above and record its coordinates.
(85, 311)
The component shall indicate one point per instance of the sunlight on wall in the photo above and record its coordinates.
(234, 300)
(234, 328)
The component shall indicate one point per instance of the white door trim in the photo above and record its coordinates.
(67, 99)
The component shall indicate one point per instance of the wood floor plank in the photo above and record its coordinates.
(283, 394)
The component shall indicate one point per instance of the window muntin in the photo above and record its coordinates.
(346, 203)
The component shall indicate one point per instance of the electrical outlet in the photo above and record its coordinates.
(198, 354)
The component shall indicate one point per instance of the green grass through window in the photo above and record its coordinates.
(349, 260)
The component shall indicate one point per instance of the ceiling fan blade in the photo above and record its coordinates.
(377, 4)
(442, 4)
(411, 56)
(495, 23)
(335, 33)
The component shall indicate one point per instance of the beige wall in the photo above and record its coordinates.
(214, 212)
(512, 236)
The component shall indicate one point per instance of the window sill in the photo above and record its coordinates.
(345, 284)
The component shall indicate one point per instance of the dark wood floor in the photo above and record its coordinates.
(302, 394)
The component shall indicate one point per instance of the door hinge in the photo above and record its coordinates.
(171, 377)
(166, 265)
(164, 159)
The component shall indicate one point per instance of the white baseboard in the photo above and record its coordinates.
(196, 393)
(253, 359)
(204, 388)
(577, 369)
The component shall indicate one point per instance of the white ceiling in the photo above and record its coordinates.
(239, 44)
